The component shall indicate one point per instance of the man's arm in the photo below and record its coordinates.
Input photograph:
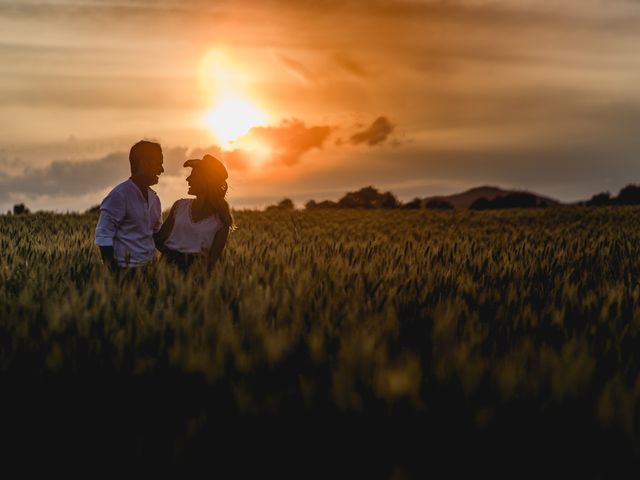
(112, 211)
(158, 211)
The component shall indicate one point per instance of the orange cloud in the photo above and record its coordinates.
(237, 159)
(376, 133)
(290, 140)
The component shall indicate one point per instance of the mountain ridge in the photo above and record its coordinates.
(465, 199)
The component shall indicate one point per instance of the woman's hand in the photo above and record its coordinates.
(165, 230)
(217, 246)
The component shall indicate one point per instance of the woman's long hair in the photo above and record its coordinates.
(216, 198)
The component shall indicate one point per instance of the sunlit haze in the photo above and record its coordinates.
(308, 100)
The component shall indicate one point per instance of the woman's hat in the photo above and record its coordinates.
(210, 165)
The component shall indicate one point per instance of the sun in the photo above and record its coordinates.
(227, 85)
(232, 117)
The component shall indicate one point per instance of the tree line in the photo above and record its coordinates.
(367, 197)
(629, 195)
(371, 198)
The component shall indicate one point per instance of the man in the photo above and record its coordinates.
(131, 213)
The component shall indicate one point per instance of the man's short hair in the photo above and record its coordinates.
(141, 150)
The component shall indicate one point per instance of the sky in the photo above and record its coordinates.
(311, 99)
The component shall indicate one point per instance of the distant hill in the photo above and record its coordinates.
(464, 199)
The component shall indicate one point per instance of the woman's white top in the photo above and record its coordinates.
(188, 236)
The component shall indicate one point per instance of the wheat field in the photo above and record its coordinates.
(465, 324)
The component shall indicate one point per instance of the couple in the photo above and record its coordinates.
(130, 226)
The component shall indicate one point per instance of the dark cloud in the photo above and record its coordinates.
(376, 133)
(9, 162)
(570, 163)
(289, 141)
(350, 65)
(173, 159)
(64, 177)
(75, 178)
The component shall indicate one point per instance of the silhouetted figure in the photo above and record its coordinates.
(198, 228)
(131, 212)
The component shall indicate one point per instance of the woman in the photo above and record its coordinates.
(198, 228)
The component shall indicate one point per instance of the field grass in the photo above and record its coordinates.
(475, 331)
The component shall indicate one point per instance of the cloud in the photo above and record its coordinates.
(289, 141)
(297, 69)
(350, 65)
(62, 178)
(285, 144)
(236, 159)
(173, 159)
(376, 133)
(94, 90)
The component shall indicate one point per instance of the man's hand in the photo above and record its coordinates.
(108, 258)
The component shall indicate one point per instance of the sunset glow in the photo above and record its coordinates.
(311, 100)
(225, 80)
(232, 117)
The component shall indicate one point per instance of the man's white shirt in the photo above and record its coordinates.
(127, 222)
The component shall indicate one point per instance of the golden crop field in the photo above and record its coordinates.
(453, 325)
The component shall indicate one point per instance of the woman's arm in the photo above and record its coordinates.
(218, 244)
(164, 232)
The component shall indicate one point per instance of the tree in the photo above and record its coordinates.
(367, 197)
(284, 204)
(413, 204)
(481, 203)
(20, 208)
(94, 209)
(437, 204)
(350, 200)
(516, 200)
(389, 200)
(599, 199)
(327, 204)
(629, 195)
(310, 205)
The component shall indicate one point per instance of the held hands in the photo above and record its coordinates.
(108, 258)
